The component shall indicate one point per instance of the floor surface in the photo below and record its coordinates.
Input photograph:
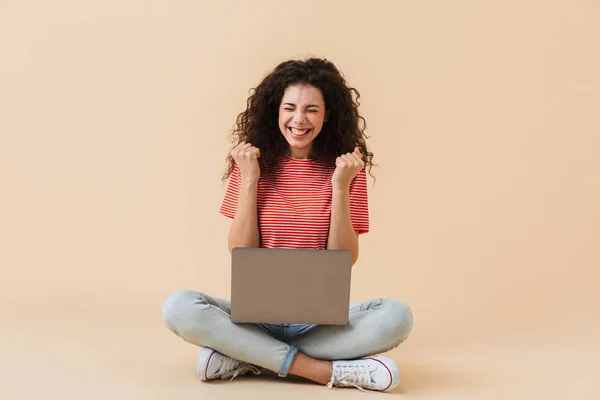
(71, 348)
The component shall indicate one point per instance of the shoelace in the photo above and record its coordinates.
(231, 364)
(245, 368)
(357, 375)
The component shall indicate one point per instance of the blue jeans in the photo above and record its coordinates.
(375, 326)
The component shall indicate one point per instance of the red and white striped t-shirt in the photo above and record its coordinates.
(294, 205)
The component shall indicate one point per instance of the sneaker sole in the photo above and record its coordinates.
(203, 361)
(395, 374)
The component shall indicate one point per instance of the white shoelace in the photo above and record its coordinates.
(357, 375)
(232, 365)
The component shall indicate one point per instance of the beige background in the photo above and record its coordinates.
(485, 216)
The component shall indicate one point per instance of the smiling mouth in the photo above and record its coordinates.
(299, 132)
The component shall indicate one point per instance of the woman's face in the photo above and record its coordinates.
(301, 117)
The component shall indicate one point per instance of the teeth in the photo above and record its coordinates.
(299, 131)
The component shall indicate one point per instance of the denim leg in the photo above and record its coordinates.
(375, 326)
(206, 321)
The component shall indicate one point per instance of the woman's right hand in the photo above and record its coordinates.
(246, 157)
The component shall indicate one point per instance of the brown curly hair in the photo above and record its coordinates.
(343, 130)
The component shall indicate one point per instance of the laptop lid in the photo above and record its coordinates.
(290, 286)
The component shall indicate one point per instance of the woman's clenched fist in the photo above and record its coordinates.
(246, 157)
(347, 167)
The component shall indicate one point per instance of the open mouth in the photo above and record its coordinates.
(298, 133)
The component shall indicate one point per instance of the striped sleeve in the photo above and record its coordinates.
(359, 203)
(232, 194)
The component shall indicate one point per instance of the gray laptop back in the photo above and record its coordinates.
(290, 286)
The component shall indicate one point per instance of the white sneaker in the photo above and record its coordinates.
(373, 373)
(214, 365)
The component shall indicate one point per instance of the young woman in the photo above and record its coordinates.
(297, 179)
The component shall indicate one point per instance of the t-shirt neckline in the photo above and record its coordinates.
(298, 159)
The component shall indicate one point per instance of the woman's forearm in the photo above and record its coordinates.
(341, 231)
(244, 228)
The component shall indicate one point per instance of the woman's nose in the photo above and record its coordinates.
(299, 117)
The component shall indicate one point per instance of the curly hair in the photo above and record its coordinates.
(343, 129)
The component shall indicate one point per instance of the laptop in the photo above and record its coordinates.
(290, 286)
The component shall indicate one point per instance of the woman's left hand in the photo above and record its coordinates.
(347, 166)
